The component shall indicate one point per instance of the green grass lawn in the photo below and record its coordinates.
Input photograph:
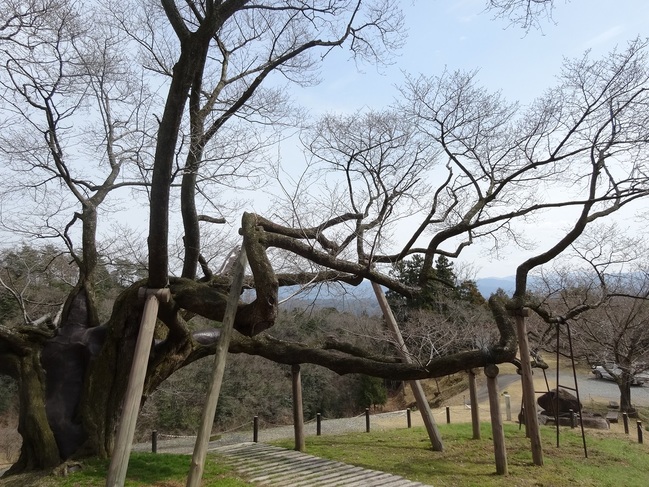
(144, 469)
(613, 460)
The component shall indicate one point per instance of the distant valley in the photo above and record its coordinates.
(361, 299)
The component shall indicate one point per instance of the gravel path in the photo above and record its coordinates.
(378, 422)
(590, 389)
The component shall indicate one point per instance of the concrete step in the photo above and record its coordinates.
(277, 467)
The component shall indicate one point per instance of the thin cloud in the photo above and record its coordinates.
(605, 37)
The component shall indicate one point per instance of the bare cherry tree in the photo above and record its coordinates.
(601, 294)
(85, 131)
(85, 126)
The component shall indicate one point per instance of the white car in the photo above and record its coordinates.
(601, 373)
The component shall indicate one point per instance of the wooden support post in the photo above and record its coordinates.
(126, 428)
(475, 411)
(417, 389)
(491, 371)
(220, 357)
(427, 415)
(625, 420)
(298, 413)
(508, 407)
(529, 399)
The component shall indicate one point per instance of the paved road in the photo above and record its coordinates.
(590, 388)
(379, 421)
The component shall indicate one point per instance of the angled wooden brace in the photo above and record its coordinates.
(126, 429)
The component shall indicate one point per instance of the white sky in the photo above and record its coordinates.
(459, 34)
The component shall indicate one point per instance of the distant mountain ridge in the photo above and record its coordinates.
(489, 285)
(360, 299)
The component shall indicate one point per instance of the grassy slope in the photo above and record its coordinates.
(613, 460)
(144, 469)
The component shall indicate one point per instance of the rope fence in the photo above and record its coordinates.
(258, 430)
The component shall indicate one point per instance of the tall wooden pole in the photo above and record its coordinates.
(529, 396)
(417, 389)
(475, 411)
(298, 412)
(491, 371)
(220, 357)
(126, 428)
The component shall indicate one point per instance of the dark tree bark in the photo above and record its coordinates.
(73, 374)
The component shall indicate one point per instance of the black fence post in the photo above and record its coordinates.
(255, 429)
(448, 415)
(625, 420)
(408, 418)
(572, 418)
(318, 423)
(367, 420)
(639, 423)
(154, 441)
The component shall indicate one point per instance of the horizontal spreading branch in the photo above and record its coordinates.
(253, 229)
(344, 358)
(345, 363)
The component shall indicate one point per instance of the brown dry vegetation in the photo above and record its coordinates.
(10, 440)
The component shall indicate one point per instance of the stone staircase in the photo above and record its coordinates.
(277, 467)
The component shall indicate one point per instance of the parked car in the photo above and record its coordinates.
(602, 373)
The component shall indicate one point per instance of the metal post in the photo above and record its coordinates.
(508, 407)
(255, 429)
(367, 420)
(448, 415)
(154, 441)
(408, 418)
(625, 420)
(572, 417)
(318, 424)
(639, 424)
